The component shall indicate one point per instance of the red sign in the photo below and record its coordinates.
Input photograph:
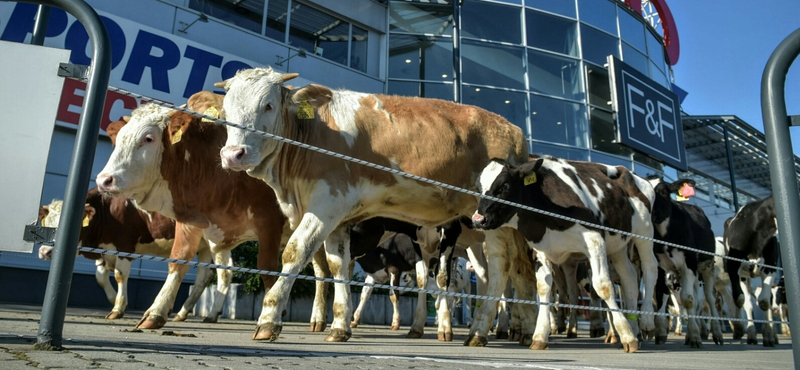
(671, 40)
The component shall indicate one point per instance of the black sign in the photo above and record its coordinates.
(648, 115)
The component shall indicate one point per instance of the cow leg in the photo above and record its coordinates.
(605, 289)
(503, 318)
(201, 281)
(570, 271)
(394, 280)
(707, 274)
(101, 275)
(224, 278)
(421, 311)
(688, 292)
(596, 327)
(122, 271)
(768, 335)
(337, 250)
(723, 287)
(496, 247)
(629, 284)
(524, 313)
(676, 309)
(187, 239)
(747, 305)
(662, 294)
(366, 292)
(444, 303)
(544, 287)
(649, 266)
(559, 324)
(304, 242)
(319, 309)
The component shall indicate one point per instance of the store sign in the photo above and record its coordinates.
(647, 115)
(146, 61)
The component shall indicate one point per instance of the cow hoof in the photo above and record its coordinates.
(769, 342)
(151, 322)
(526, 340)
(210, 320)
(572, 335)
(752, 341)
(611, 339)
(514, 335)
(267, 331)
(318, 326)
(597, 332)
(694, 341)
(561, 329)
(539, 345)
(630, 347)
(718, 339)
(414, 334)
(445, 337)
(179, 318)
(338, 335)
(661, 339)
(395, 327)
(476, 341)
(501, 334)
(115, 315)
(352, 325)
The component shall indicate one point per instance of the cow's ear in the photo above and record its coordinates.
(527, 172)
(206, 102)
(113, 129)
(178, 125)
(315, 95)
(88, 213)
(43, 212)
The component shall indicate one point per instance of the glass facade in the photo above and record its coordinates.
(538, 63)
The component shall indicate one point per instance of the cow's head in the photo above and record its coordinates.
(662, 206)
(135, 164)
(507, 182)
(256, 99)
(50, 216)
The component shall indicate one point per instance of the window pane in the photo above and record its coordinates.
(558, 121)
(483, 21)
(554, 75)
(656, 50)
(644, 165)
(560, 152)
(599, 13)
(604, 133)
(659, 76)
(320, 33)
(611, 160)
(421, 89)
(420, 58)
(599, 88)
(635, 59)
(509, 104)
(358, 49)
(632, 30)
(493, 65)
(563, 7)
(247, 14)
(421, 18)
(551, 33)
(597, 45)
(276, 19)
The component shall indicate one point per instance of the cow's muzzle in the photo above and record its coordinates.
(478, 220)
(232, 158)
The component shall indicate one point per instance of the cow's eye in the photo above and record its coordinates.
(268, 107)
(506, 187)
(147, 139)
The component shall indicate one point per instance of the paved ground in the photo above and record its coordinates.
(92, 342)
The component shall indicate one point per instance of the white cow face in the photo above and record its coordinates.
(254, 99)
(134, 167)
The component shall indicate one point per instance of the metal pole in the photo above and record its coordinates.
(729, 153)
(54, 307)
(40, 27)
(456, 51)
(782, 172)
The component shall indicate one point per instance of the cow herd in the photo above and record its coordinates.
(218, 186)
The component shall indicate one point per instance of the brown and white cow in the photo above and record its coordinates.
(590, 192)
(322, 196)
(168, 162)
(114, 223)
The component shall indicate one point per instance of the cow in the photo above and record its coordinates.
(722, 285)
(751, 234)
(687, 225)
(168, 162)
(323, 196)
(116, 224)
(590, 192)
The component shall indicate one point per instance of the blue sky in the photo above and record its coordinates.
(725, 45)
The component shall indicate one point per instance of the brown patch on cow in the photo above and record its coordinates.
(338, 309)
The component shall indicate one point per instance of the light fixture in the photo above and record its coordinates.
(508, 101)
(477, 89)
(202, 18)
(408, 60)
(444, 76)
(300, 53)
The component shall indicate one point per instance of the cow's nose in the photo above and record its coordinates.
(232, 157)
(478, 219)
(105, 182)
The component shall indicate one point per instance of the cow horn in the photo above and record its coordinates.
(221, 84)
(126, 118)
(288, 76)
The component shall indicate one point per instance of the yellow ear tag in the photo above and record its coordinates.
(85, 221)
(680, 198)
(211, 112)
(305, 111)
(530, 179)
(177, 137)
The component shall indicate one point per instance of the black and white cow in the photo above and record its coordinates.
(751, 234)
(590, 192)
(687, 225)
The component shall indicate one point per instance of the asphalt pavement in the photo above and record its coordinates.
(92, 342)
